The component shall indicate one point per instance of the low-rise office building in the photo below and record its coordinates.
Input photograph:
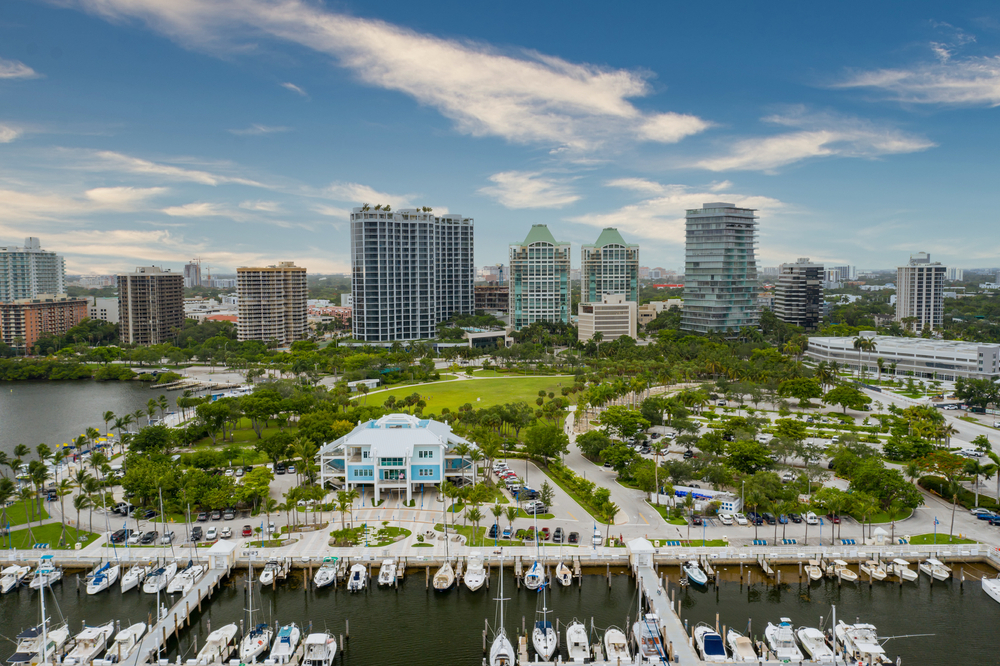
(397, 452)
(925, 358)
(612, 317)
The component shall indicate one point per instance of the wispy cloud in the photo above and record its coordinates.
(15, 69)
(123, 196)
(198, 209)
(134, 165)
(261, 206)
(527, 189)
(967, 81)
(818, 135)
(8, 133)
(521, 96)
(358, 194)
(294, 88)
(259, 129)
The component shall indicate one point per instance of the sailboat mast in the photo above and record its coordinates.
(45, 639)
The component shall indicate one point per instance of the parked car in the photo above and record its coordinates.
(989, 515)
(741, 519)
(123, 508)
(230, 472)
(240, 471)
(795, 518)
(279, 469)
(226, 533)
(574, 537)
(557, 536)
(135, 538)
(247, 531)
(120, 536)
(203, 517)
(149, 537)
(696, 520)
(494, 530)
(196, 533)
(228, 514)
(812, 519)
(834, 518)
(149, 514)
(212, 534)
(596, 538)
(535, 508)
(167, 538)
(725, 519)
(270, 528)
(216, 515)
(978, 510)
(688, 454)
(783, 519)
(291, 469)
(545, 534)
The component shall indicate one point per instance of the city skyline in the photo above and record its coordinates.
(153, 132)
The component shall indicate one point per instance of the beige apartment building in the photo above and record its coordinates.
(613, 317)
(150, 305)
(272, 303)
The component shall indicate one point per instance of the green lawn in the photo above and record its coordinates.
(884, 517)
(924, 539)
(479, 393)
(388, 535)
(541, 516)
(245, 435)
(422, 545)
(475, 536)
(47, 534)
(16, 515)
(576, 497)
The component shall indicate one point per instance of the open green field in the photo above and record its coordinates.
(478, 392)
(924, 539)
(46, 534)
(16, 515)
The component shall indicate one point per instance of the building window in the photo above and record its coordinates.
(425, 472)
(390, 462)
(425, 454)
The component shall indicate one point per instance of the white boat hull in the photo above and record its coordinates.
(12, 577)
(544, 641)
(535, 577)
(501, 651)
(134, 577)
(159, 581)
(474, 579)
(255, 644)
(324, 577)
(695, 575)
(91, 643)
(564, 575)
(125, 642)
(577, 643)
(285, 644)
(358, 579)
(387, 574)
(45, 578)
(991, 586)
(740, 646)
(781, 641)
(444, 578)
(218, 645)
(320, 650)
(103, 580)
(814, 643)
(616, 646)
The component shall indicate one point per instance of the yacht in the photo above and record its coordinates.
(285, 644)
(740, 646)
(901, 568)
(694, 573)
(445, 577)
(861, 642)
(185, 580)
(616, 646)
(158, 580)
(873, 569)
(269, 573)
(135, 576)
(535, 576)
(813, 642)
(45, 574)
(781, 640)
(935, 568)
(564, 575)
(11, 577)
(475, 573)
(840, 570)
(387, 573)
(501, 650)
(320, 650)
(326, 573)
(218, 645)
(357, 580)
(646, 635)
(709, 644)
(991, 586)
(90, 644)
(103, 578)
(125, 641)
(577, 643)
(29, 645)
(813, 570)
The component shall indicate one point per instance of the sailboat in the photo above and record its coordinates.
(616, 646)
(740, 646)
(135, 576)
(158, 580)
(709, 644)
(45, 574)
(90, 644)
(543, 636)
(564, 575)
(258, 639)
(218, 645)
(501, 650)
(40, 644)
(535, 578)
(475, 573)
(105, 576)
(577, 643)
(326, 573)
(125, 642)
(320, 650)
(285, 644)
(11, 577)
(387, 572)
(445, 577)
(781, 641)
(185, 580)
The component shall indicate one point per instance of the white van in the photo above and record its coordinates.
(812, 519)
(597, 539)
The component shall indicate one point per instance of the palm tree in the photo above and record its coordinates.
(109, 416)
(20, 453)
(4, 462)
(7, 491)
(866, 505)
(93, 434)
(608, 512)
(462, 450)
(865, 344)
(94, 490)
(163, 405)
(344, 503)
(510, 513)
(65, 488)
(81, 502)
(137, 415)
(497, 511)
(475, 515)
(25, 496)
(977, 469)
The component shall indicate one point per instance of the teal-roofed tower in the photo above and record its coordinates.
(609, 266)
(539, 279)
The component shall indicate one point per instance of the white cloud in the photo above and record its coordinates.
(294, 88)
(20, 205)
(15, 69)
(122, 196)
(134, 165)
(523, 96)
(333, 211)
(525, 189)
(819, 135)
(969, 81)
(197, 209)
(720, 186)
(262, 206)
(661, 217)
(8, 133)
(359, 194)
(256, 129)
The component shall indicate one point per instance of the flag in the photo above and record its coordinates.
(936, 521)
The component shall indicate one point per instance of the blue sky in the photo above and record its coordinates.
(242, 131)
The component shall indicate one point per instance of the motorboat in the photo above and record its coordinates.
(861, 642)
(326, 573)
(709, 644)
(873, 569)
(158, 580)
(813, 642)
(445, 577)
(135, 576)
(814, 571)
(475, 573)
(185, 580)
(935, 569)
(564, 575)
(544, 639)
(740, 646)
(269, 573)
(285, 644)
(357, 579)
(991, 586)
(781, 641)
(125, 641)
(387, 573)
(320, 650)
(616, 646)
(577, 643)
(535, 576)
(45, 574)
(501, 650)
(29, 645)
(219, 645)
(901, 568)
(90, 644)
(11, 577)
(105, 576)
(841, 571)
(694, 573)
(646, 635)
(256, 642)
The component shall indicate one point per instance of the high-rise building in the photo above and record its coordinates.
(798, 294)
(919, 293)
(720, 270)
(955, 274)
(272, 303)
(24, 321)
(150, 305)
(103, 309)
(26, 272)
(495, 274)
(192, 275)
(539, 279)
(844, 273)
(410, 271)
(609, 266)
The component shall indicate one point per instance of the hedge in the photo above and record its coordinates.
(966, 498)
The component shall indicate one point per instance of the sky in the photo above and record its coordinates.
(151, 132)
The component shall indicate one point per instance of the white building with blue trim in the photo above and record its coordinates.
(397, 452)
